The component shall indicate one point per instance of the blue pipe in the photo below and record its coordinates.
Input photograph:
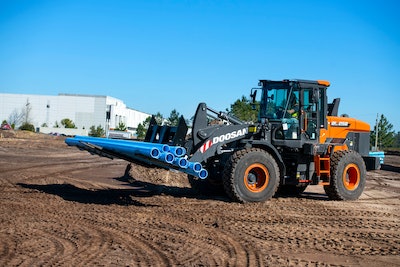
(177, 151)
(155, 153)
(202, 174)
(166, 157)
(181, 163)
(94, 140)
(195, 166)
(132, 149)
(118, 147)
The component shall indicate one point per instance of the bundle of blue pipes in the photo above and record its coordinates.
(173, 156)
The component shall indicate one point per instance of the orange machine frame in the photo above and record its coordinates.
(339, 127)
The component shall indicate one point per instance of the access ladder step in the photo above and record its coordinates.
(323, 166)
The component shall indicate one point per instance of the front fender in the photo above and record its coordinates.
(273, 151)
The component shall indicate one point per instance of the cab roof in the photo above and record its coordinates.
(314, 82)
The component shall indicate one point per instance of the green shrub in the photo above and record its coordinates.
(27, 127)
(96, 131)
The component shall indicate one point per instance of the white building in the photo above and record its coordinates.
(84, 110)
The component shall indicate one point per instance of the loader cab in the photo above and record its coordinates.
(294, 110)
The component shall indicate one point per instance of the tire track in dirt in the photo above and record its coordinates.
(293, 228)
(206, 242)
(76, 241)
(42, 166)
(109, 238)
(162, 237)
(61, 170)
(137, 247)
(30, 247)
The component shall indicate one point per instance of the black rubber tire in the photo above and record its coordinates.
(251, 175)
(348, 176)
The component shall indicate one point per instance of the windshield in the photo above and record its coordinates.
(279, 103)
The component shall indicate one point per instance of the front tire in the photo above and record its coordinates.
(348, 176)
(251, 175)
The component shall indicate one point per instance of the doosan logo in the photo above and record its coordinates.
(222, 138)
(228, 136)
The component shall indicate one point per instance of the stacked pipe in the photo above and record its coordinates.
(172, 156)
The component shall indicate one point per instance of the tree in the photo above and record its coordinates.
(159, 118)
(68, 123)
(121, 127)
(15, 118)
(22, 117)
(96, 131)
(173, 118)
(243, 109)
(26, 112)
(386, 134)
(142, 128)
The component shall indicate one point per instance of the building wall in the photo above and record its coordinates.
(84, 110)
(121, 113)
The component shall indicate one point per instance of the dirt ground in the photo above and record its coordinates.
(63, 206)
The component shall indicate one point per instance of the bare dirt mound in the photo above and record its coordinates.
(158, 176)
(62, 206)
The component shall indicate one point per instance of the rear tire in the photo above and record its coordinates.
(348, 176)
(251, 175)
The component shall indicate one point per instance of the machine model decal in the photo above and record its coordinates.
(222, 138)
(340, 124)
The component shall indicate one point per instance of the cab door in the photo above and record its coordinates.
(309, 114)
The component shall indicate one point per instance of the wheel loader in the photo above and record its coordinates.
(298, 140)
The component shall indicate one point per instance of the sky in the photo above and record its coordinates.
(157, 56)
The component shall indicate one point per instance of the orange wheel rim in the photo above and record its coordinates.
(256, 177)
(351, 177)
